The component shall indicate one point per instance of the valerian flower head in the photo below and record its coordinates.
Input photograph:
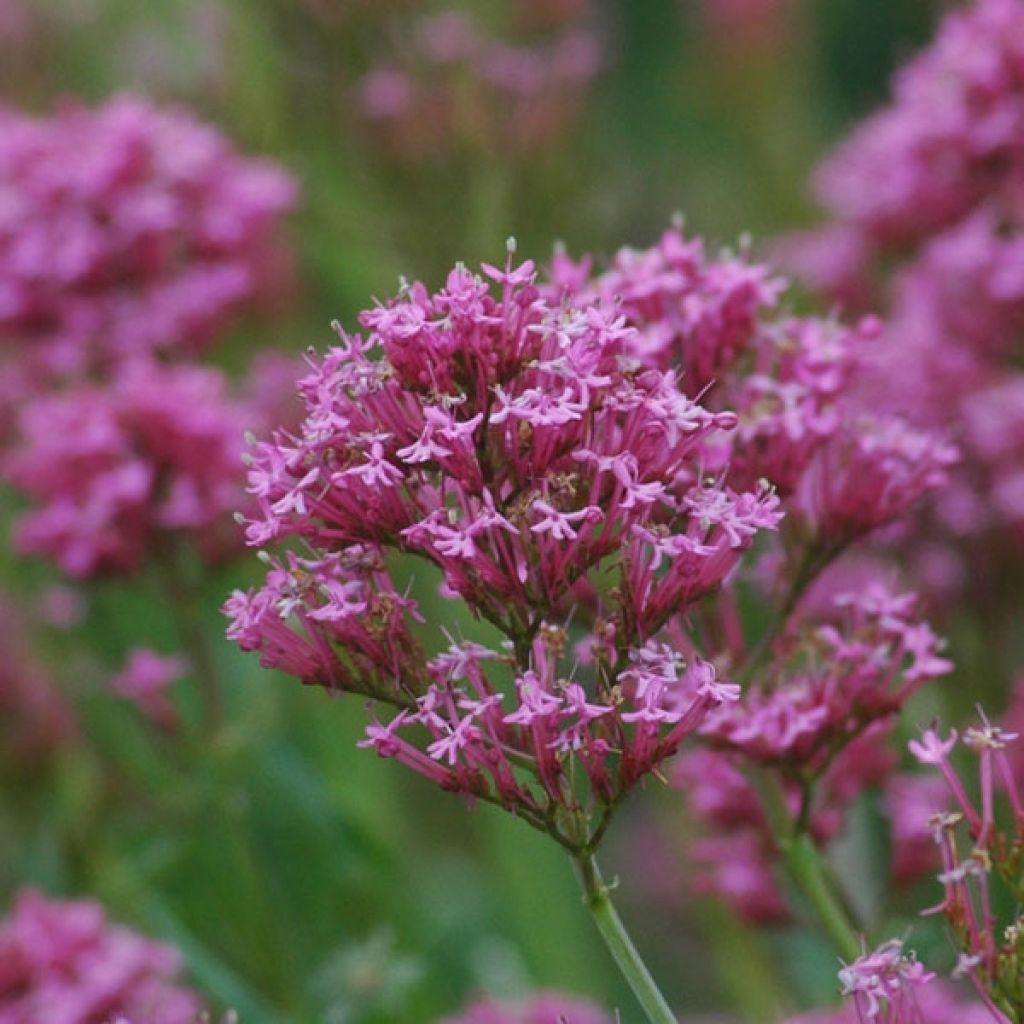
(838, 680)
(510, 440)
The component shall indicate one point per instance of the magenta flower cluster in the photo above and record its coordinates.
(65, 963)
(117, 470)
(128, 229)
(927, 206)
(449, 80)
(820, 715)
(511, 442)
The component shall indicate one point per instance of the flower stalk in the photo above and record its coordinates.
(597, 896)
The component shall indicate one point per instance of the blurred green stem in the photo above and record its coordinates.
(806, 868)
(597, 897)
(187, 613)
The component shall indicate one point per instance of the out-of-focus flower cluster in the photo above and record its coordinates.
(449, 80)
(115, 470)
(541, 1008)
(66, 962)
(927, 200)
(128, 229)
(131, 238)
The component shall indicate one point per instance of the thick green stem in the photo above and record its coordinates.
(620, 945)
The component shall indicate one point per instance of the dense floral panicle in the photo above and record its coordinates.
(952, 134)
(927, 201)
(874, 472)
(838, 680)
(65, 963)
(542, 1008)
(788, 379)
(691, 312)
(145, 678)
(513, 443)
(967, 282)
(789, 403)
(111, 468)
(35, 717)
(129, 228)
(820, 714)
(448, 77)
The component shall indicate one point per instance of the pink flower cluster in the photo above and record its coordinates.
(691, 311)
(935, 1002)
(511, 442)
(927, 200)
(448, 80)
(951, 138)
(790, 380)
(820, 716)
(541, 1008)
(65, 963)
(112, 469)
(128, 229)
(837, 682)
(882, 984)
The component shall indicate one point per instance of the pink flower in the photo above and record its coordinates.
(510, 441)
(64, 961)
(145, 678)
(541, 1008)
(881, 984)
(111, 470)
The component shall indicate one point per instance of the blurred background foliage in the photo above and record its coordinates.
(304, 879)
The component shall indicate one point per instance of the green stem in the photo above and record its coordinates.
(806, 869)
(598, 900)
(184, 600)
